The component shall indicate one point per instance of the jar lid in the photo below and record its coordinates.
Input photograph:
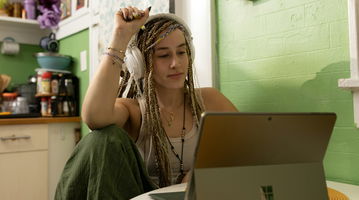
(46, 75)
(9, 94)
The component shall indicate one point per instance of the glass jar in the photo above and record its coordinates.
(21, 106)
(9, 102)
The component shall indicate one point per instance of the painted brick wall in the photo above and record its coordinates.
(286, 56)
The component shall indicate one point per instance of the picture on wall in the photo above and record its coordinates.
(65, 8)
(80, 4)
(172, 8)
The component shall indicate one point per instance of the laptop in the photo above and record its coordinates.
(259, 156)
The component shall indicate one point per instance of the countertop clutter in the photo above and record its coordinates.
(49, 93)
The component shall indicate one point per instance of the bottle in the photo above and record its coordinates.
(39, 82)
(69, 87)
(65, 108)
(45, 82)
(59, 105)
(49, 112)
(55, 84)
(62, 87)
(30, 8)
(43, 106)
(17, 9)
(54, 108)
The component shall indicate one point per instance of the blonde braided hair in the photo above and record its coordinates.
(152, 121)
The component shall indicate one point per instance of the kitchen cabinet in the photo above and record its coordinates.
(32, 156)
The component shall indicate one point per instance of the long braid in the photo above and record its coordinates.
(152, 121)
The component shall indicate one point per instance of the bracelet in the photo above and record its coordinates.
(117, 50)
(116, 58)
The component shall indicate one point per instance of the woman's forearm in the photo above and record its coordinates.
(98, 105)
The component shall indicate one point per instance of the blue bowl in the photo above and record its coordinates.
(48, 60)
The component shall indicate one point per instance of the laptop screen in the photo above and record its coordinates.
(243, 139)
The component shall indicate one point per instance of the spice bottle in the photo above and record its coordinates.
(39, 82)
(55, 84)
(66, 108)
(45, 82)
(44, 106)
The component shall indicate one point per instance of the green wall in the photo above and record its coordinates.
(73, 45)
(287, 56)
(20, 66)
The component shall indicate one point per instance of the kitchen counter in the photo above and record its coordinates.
(38, 120)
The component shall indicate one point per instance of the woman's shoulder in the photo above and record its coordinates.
(214, 100)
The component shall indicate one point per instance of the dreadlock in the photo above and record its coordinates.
(152, 121)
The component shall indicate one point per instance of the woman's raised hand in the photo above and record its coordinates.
(129, 20)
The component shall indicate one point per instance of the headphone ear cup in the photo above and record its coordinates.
(135, 62)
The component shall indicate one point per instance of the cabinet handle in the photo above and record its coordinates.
(14, 137)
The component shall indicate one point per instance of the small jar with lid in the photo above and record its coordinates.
(9, 102)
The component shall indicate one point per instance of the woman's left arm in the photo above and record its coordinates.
(215, 101)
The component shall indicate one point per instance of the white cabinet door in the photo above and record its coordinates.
(23, 175)
(24, 162)
(61, 145)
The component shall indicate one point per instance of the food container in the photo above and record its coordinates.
(9, 102)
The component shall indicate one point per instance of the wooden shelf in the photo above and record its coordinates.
(39, 120)
(50, 95)
(46, 95)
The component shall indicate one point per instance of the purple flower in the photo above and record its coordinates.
(49, 19)
(49, 3)
(50, 13)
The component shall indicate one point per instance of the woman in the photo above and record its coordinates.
(156, 102)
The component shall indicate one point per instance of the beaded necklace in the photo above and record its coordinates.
(180, 159)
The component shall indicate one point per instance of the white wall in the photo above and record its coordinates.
(197, 14)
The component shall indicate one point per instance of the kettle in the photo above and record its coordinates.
(49, 43)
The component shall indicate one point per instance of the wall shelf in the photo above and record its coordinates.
(24, 31)
(13, 20)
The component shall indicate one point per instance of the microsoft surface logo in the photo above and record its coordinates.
(267, 192)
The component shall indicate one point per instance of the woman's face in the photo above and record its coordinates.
(170, 61)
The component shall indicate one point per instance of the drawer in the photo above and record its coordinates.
(27, 137)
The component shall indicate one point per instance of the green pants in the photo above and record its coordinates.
(104, 165)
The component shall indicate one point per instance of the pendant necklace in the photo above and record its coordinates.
(180, 159)
(170, 119)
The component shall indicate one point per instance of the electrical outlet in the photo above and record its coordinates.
(83, 60)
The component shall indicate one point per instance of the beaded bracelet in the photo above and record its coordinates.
(115, 59)
(117, 50)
